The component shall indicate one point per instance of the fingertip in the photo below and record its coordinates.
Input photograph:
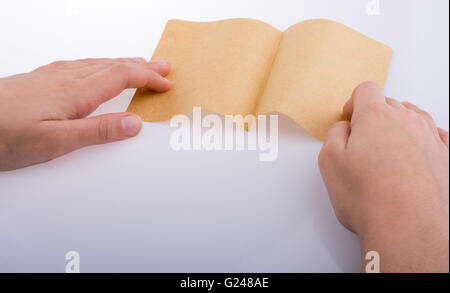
(362, 90)
(368, 86)
(131, 125)
(410, 106)
(364, 94)
(163, 85)
(394, 103)
(162, 63)
(369, 90)
(161, 66)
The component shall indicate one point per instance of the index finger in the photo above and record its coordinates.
(364, 95)
(111, 81)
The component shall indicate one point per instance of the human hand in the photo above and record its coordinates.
(387, 174)
(43, 113)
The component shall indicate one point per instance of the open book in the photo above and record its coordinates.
(244, 66)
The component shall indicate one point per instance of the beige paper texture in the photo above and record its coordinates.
(244, 66)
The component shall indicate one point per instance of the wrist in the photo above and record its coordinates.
(408, 244)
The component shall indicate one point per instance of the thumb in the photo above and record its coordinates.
(107, 128)
(69, 135)
(338, 135)
(335, 143)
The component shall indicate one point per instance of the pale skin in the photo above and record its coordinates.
(43, 113)
(386, 169)
(387, 176)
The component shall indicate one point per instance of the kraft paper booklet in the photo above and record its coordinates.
(244, 66)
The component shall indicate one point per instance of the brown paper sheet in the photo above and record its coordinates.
(244, 66)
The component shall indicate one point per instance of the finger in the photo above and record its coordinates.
(394, 103)
(92, 64)
(80, 63)
(68, 135)
(111, 81)
(422, 113)
(338, 135)
(444, 136)
(365, 95)
(335, 143)
(161, 66)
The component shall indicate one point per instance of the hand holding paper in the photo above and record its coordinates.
(43, 113)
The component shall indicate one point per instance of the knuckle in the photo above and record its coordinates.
(118, 68)
(121, 72)
(426, 115)
(51, 66)
(407, 104)
(415, 119)
(103, 130)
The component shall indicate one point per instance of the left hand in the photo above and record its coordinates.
(43, 113)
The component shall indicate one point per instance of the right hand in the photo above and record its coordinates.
(387, 174)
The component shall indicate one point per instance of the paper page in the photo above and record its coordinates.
(221, 66)
(318, 65)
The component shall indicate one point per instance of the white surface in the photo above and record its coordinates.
(139, 206)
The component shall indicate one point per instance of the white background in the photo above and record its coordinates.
(139, 206)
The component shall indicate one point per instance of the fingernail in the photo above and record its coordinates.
(168, 83)
(162, 62)
(131, 125)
